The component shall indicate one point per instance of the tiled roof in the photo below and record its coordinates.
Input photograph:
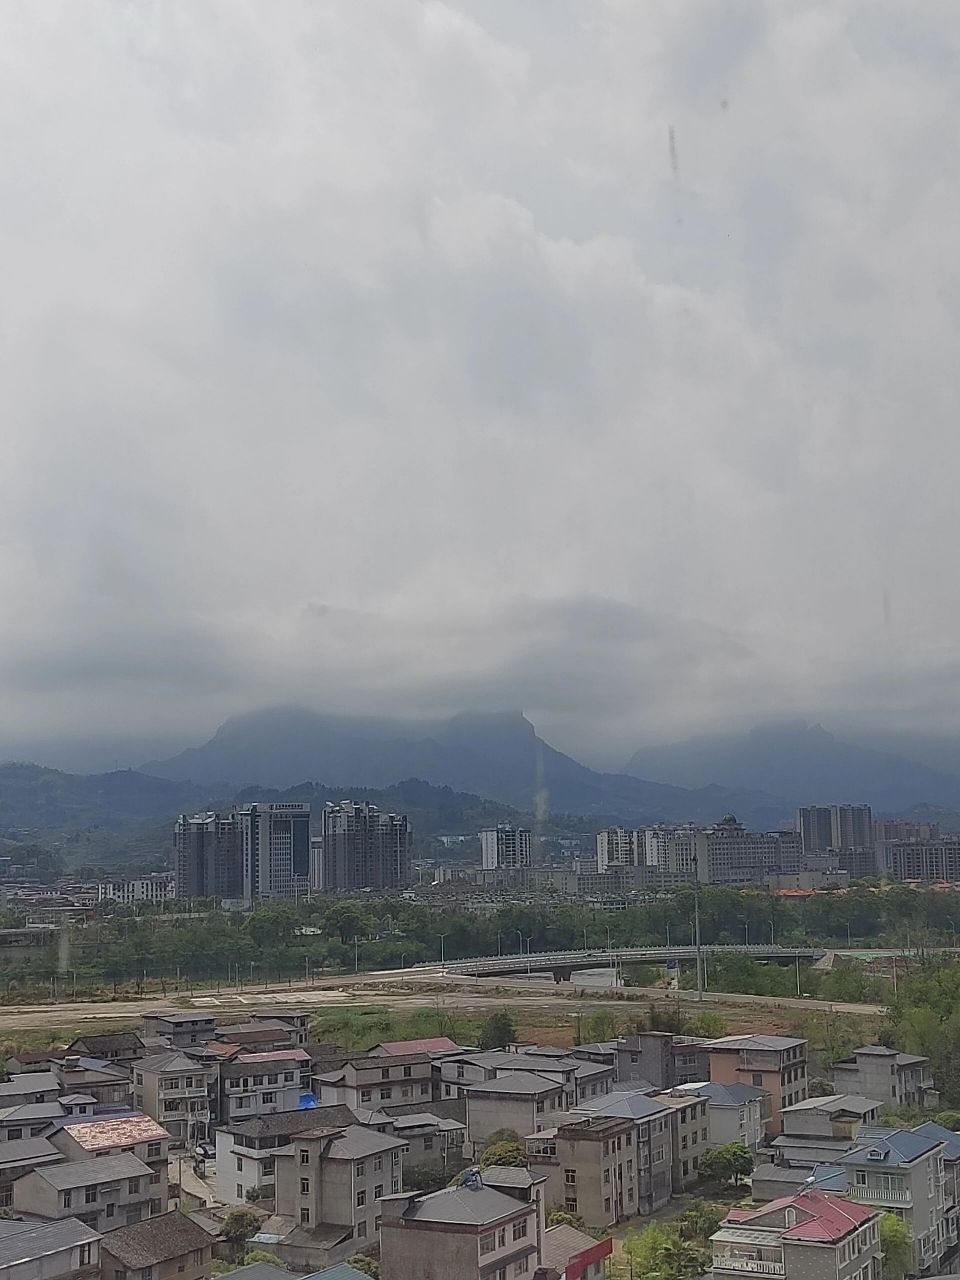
(515, 1082)
(355, 1142)
(468, 1205)
(563, 1243)
(109, 1040)
(821, 1217)
(755, 1042)
(29, 1082)
(888, 1146)
(836, 1102)
(31, 1111)
(432, 1044)
(276, 1055)
(30, 1151)
(724, 1095)
(174, 1060)
(85, 1173)
(26, 1241)
(634, 1106)
(930, 1129)
(278, 1123)
(117, 1131)
(155, 1240)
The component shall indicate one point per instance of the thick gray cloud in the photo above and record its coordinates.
(588, 356)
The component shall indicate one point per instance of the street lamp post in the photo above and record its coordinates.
(356, 953)
(520, 936)
(499, 943)
(403, 961)
(443, 959)
(696, 922)
(529, 940)
(746, 933)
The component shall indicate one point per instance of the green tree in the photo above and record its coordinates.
(497, 1030)
(509, 1154)
(601, 1025)
(895, 1246)
(700, 1220)
(430, 1175)
(238, 1226)
(366, 1266)
(560, 1217)
(949, 1120)
(727, 1163)
(659, 1253)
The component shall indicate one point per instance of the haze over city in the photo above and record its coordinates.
(591, 359)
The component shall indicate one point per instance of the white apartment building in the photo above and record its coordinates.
(505, 848)
(154, 889)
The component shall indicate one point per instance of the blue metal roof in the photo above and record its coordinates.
(888, 1147)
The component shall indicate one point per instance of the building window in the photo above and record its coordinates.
(67, 1199)
(90, 1195)
(757, 1078)
(488, 1243)
(365, 1095)
(153, 1150)
(407, 1072)
(384, 1073)
(396, 1186)
(304, 1156)
(606, 1205)
(377, 1163)
(84, 1255)
(523, 1266)
(304, 1186)
(133, 1187)
(362, 1228)
(570, 1204)
(360, 1169)
(304, 1217)
(385, 1094)
(428, 1144)
(361, 1199)
(424, 1090)
(239, 1191)
(239, 1164)
(111, 1210)
(520, 1229)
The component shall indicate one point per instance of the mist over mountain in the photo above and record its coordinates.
(494, 755)
(804, 762)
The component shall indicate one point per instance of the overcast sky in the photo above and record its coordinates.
(593, 357)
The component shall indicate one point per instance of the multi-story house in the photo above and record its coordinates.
(30, 1088)
(818, 1130)
(590, 1167)
(377, 1081)
(120, 1048)
(689, 1136)
(800, 1237)
(902, 1172)
(108, 1083)
(102, 1136)
(110, 1192)
(651, 1119)
(19, 1157)
(435, 1046)
(897, 1079)
(519, 1100)
(180, 1027)
(170, 1247)
(257, 1084)
(246, 1151)
(257, 1037)
(662, 1059)
(67, 1250)
(428, 1137)
(296, 1022)
(776, 1064)
(735, 1112)
(30, 1120)
(575, 1076)
(175, 1091)
(471, 1232)
(951, 1156)
(337, 1178)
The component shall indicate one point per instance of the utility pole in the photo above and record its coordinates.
(798, 973)
(356, 954)
(696, 921)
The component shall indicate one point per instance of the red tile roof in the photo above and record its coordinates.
(432, 1044)
(820, 1216)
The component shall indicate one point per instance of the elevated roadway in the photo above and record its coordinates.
(563, 964)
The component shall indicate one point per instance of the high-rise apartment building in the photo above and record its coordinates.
(815, 828)
(851, 826)
(505, 848)
(618, 847)
(207, 857)
(274, 842)
(362, 848)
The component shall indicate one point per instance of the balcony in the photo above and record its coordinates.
(755, 1266)
(878, 1195)
(183, 1093)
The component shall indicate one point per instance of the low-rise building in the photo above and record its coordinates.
(257, 1036)
(29, 1088)
(329, 1185)
(897, 1079)
(459, 1071)
(589, 1166)
(471, 1232)
(432, 1045)
(19, 1157)
(258, 1084)
(175, 1091)
(662, 1059)
(735, 1112)
(67, 1250)
(428, 1137)
(573, 1255)
(383, 1080)
(180, 1027)
(108, 1083)
(818, 1130)
(119, 1047)
(170, 1247)
(105, 1193)
(689, 1136)
(30, 1120)
(297, 1022)
(131, 1132)
(775, 1064)
(901, 1171)
(652, 1122)
(811, 1234)
(519, 1100)
(246, 1151)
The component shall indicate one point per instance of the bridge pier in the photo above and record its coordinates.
(564, 974)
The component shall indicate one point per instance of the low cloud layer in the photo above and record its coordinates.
(590, 357)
